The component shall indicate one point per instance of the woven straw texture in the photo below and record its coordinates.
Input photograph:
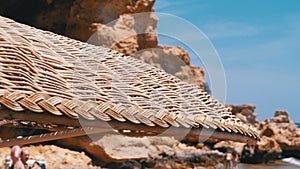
(44, 72)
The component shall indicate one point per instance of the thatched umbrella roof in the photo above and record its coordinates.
(52, 82)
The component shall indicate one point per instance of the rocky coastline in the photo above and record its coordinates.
(280, 136)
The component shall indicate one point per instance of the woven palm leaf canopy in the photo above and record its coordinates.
(71, 88)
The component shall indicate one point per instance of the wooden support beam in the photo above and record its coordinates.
(51, 136)
(199, 133)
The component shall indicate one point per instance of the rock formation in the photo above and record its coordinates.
(245, 112)
(92, 21)
(280, 137)
(111, 23)
(152, 151)
(284, 131)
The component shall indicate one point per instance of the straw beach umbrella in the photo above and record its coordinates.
(70, 88)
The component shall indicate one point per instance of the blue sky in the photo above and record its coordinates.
(258, 42)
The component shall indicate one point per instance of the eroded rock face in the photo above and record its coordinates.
(122, 25)
(266, 150)
(120, 147)
(223, 146)
(128, 34)
(114, 148)
(73, 18)
(173, 60)
(284, 131)
(279, 136)
(245, 112)
(85, 13)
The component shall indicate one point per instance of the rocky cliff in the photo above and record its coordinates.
(280, 137)
(110, 23)
(284, 132)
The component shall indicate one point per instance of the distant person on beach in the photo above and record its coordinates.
(235, 160)
(131, 164)
(15, 156)
(228, 160)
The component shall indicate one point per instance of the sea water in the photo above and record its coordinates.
(286, 163)
(292, 160)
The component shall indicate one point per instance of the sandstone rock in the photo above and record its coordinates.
(279, 136)
(112, 19)
(269, 145)
(197, 77)
(246, 110)
(120, 36)
(73, 18)
(265, 150)
(280, 117)
(175, 61)
(281, 113)
(224, 145)
(55, 157)
(151, 150)
(170, 59)
(283, 130)
(111, 23)
(202, 146)
(111, 148)
(128, 34)
(4, 156)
